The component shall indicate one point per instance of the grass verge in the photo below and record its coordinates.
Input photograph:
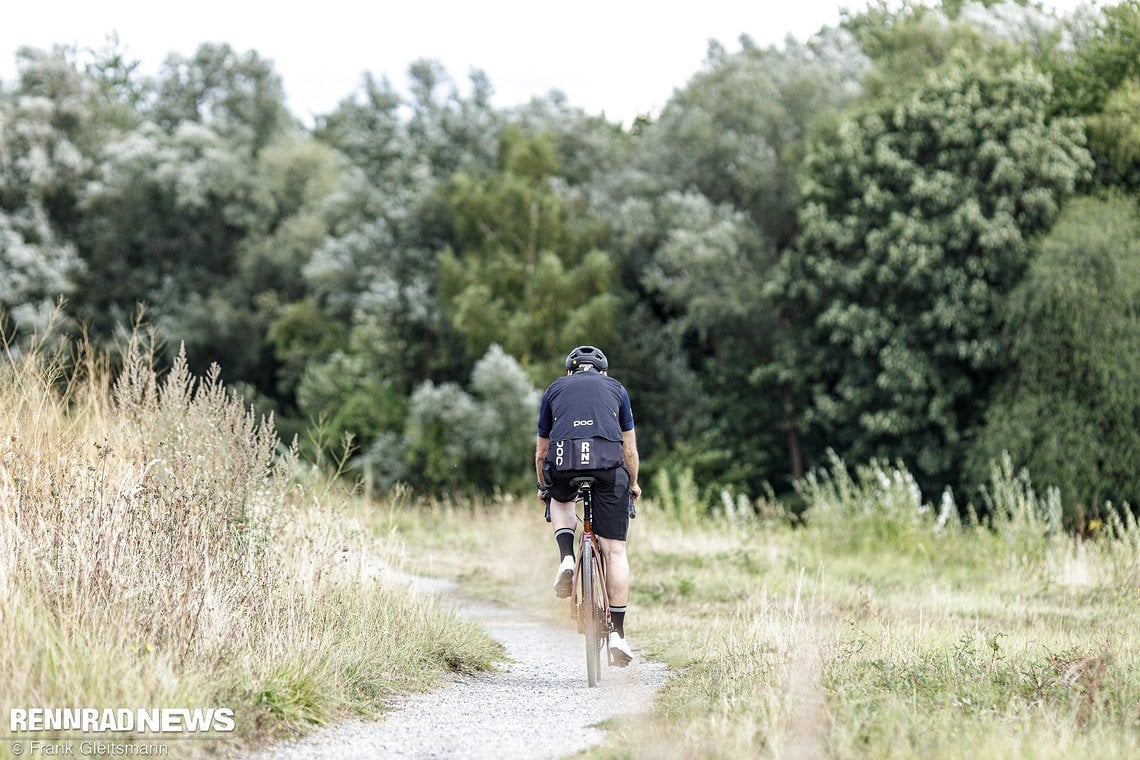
(159, 548)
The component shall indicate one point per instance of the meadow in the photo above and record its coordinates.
(159, 546)
(874, 626)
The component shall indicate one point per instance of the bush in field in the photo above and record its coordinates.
(879, 509)
(877, 506)
(473, 441)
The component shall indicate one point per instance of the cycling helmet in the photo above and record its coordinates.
(582, 356)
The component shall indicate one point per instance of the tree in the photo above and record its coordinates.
(165, 223)
(1114, 138)
(35, 270)
(50, 126)
(917, 218)
(237, 95)
(1104, 59)
(367, 129)
(907, 42)
(375, 274)
(1068, 410)
(703, 223)
(736, 132)
(480, 441)
(516, 275)
(451, 133)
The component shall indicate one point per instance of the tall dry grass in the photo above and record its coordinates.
(160, 548)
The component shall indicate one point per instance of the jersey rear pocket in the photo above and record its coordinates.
(585, 454)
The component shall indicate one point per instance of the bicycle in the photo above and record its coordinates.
(592, 610)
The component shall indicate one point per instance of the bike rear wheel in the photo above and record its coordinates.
(591, 602)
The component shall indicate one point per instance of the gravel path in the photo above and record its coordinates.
(537, 706)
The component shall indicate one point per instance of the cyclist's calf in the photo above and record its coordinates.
(617, 570)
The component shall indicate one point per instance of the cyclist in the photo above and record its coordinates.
(585, 427)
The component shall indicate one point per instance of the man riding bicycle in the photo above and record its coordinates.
(585, 428)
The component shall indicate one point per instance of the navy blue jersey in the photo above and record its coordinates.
(585, 405)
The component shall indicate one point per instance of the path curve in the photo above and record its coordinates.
(537, 706)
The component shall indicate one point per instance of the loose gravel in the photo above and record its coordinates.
(537, 706)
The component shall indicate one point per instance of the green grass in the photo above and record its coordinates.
(875, 630)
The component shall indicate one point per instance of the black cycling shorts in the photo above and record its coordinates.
(611, 496)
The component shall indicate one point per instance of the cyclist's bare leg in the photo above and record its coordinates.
(563, 520)
(617, 569)
(617, 588)
(562, 515)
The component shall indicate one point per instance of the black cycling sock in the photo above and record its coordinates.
(617, 617)
(565, 539)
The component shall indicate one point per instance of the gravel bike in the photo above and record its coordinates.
(589, 602)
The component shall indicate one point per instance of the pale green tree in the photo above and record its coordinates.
(235, 94)
(51, 124)
(474, 441)
(709, 209)
(165, 221)
(736, 132)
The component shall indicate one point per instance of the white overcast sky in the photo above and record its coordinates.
(620, 57)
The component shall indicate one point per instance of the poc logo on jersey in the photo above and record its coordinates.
(580, 423)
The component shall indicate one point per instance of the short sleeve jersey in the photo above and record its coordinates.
(585, 405)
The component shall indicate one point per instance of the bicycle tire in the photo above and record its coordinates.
(600, 615)
(589, 613)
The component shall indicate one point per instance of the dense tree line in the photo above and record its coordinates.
(913, 237)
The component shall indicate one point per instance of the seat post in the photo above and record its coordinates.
(586, 494)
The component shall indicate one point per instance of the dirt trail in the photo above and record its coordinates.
(537, 706)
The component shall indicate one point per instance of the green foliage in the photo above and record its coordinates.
(166, 220)
(440, 425)
(33, 273)
(1023, 521)
(48, 129)
(1114, 138)
(1069, 409)
(675, 492)
(709, 268)
(702, 232)
(346, 394)
(516, 275)
(879, 506)
(736, 132)
(917, 218)
(810, 248)
(300, 333)
(461, 442)
(1102, 63)
(235, 94)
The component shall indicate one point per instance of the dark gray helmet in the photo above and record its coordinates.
(583, 355)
